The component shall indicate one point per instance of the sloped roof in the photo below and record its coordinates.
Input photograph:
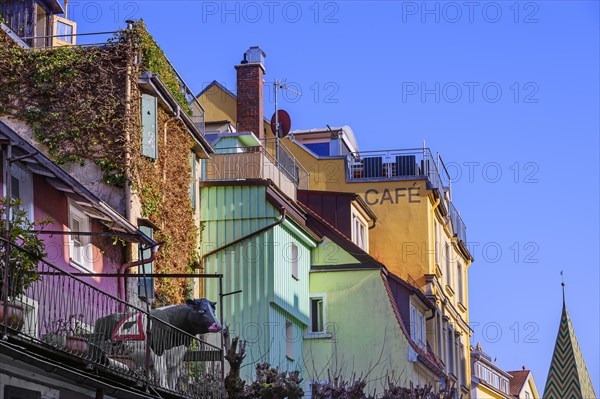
(426, 356)
(39, 164)
(518, 381)
(568, 376)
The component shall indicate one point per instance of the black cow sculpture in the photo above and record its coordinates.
(128, 332)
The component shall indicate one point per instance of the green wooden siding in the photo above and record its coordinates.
(260, 267)
(291, 294)
(230, 212)
(278, 353)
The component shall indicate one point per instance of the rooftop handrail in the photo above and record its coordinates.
(185, 89)
(286, 156)
(233, 151)
(459, 226)
(66, 314)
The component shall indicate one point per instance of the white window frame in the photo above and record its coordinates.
(294, 260)
(86, 263)
(360, 231)
(289, 340)
(417, 326)
(25, 179)
(323, 333)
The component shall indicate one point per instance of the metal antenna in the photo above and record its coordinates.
(278, 84)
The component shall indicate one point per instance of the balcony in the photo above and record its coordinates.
(257, 162)
(406, 164)
(458, 226)
(63, 324)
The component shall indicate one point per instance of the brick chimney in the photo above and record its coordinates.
(250, 85)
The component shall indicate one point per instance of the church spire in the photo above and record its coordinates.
(568, 376)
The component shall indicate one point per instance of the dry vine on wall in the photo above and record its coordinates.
(74, 100)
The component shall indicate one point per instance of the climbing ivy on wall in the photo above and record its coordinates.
(75, 101)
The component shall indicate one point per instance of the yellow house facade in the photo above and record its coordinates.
(419, 234)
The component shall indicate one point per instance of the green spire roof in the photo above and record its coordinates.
(568, 377)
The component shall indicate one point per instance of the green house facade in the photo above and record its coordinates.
(265, 255)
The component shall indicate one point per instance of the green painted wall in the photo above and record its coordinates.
(329, 253)
(261, 267)
(365, 336)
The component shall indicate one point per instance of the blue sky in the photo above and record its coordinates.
(507, 92)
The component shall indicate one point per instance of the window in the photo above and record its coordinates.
(451, 351)
(417, 326)
(321, 149)
(193, 188)
(504, 385)
(436, 247)
(459, 278)
(526, 395)
(149, 126)
(463, 363)
(289, 340)
(64, 29)
(21, 187)
(439, 336)
(448, 268)
(359, 232)
(294, 259)
(80, 247)
(317, 315)
(146, 285)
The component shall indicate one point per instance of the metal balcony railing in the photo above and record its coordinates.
(257, 162)
(403, 164)
(72, 321)
(406, 164)
(458, 226)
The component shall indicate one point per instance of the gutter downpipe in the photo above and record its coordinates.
(209, 253)
(229, 244)
(435, 205)
(125, 266)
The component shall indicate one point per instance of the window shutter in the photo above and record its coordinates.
(149, 126)
(146, 283)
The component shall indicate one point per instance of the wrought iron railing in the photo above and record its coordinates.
(71, 317)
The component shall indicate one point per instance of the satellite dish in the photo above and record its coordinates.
(285, 123)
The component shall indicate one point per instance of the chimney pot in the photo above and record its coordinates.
(255, 54)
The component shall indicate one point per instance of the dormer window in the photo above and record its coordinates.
(360, 231)
(417, 326)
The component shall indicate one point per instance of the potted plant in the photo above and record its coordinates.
(67, 334)
(24, 249)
